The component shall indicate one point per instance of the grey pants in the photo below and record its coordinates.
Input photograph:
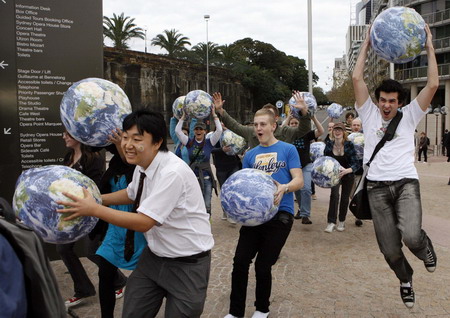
(397, 215)
(182, 282)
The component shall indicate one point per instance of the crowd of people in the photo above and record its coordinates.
(157, 209)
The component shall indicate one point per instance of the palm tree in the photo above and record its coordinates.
(229, 54)
(171, 41)
(200, 51)
(120, 29)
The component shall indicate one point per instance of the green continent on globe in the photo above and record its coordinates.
(21, 195)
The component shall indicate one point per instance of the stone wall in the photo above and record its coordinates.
(156, 81)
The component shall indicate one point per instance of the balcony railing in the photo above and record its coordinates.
(443, 43)
(420, 72)
(407, 3)
(436, 17)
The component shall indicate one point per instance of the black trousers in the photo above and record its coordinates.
(342, 204)
(264, 241)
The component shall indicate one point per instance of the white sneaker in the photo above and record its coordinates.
(230, 316)
(259, 314)
(341, 226)
(330, 227)
(224, 216)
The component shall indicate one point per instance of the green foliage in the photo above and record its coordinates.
(213, 53)
(343, 94)
(320, 96)
(171, 41)
(120, 29)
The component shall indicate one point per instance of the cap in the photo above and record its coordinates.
(200, 125)
(339, 126)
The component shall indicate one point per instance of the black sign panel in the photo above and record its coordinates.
(47, 45)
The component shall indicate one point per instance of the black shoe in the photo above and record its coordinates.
(358, 222)
(431, 261)
(297, 216)
(408, 297)
(306, 220)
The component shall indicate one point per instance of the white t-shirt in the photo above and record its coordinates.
(172, 197)
(395, 160)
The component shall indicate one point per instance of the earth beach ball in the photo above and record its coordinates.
(325, 172)
(310, 101)
(198, 104)
(236, 142)
(398, 34)
(316, 150)
(247, 197)
(357, 139)
(335, 110)
(92, 108)
(34, 202)
(177, 107)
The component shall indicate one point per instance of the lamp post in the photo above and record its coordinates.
(206, 16)
(145, 38)
(310, 62)
(437, 112)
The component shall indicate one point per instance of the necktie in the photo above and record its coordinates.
(129, 239)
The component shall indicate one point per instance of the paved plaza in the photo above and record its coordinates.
(341, 274)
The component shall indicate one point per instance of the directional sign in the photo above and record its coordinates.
(3, 64)
(7, 131)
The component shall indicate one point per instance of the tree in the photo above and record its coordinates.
(320, 96)
(120, 29)
(213, 52)
(229, 54)
(172, 41)
(343, 94)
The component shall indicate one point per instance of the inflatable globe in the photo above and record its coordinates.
(398, 34)
(335, 110)
(357, 139)
(310, 101)
(236, 142)
(92, 108)
(198, 104)
(34, 202)
(316, 150)
(247, 197)
(208, 135)
(177, 107)
(325, 172)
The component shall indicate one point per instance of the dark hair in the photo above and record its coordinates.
(87, 155)
(349, 114)
(149, 121)
(391, 86)
(272, 107)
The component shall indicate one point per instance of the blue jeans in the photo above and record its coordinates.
(303, 195)
(207, 193)
(397, 215)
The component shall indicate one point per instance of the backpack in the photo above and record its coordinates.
(428, 141)
(41, 288)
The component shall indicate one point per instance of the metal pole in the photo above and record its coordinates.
(145, 38)
(207, 54)
(310, 65)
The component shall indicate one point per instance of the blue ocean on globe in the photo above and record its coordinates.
(92, 108)
(177, 107)
(398, 34)
(247, 197)
(335, 110)
(310, 101)
(325, 172)
(198, 104)
(357, 139)
(34, 202)
(316, 150)
(234, 141)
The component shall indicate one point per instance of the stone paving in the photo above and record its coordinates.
(340, 275)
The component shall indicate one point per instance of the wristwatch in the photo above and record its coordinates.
(286, 190)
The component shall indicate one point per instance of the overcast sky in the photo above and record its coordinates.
(282, 23)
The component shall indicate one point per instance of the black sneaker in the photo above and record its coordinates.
(408, 297)
(431, 261)
(297, 216)
(358, 222)
(306, 220)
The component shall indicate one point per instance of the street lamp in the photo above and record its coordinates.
(145, 38)
(206, 16)
(437, 112)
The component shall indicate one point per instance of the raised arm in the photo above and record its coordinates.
(359, 85)
(319, 128)
(218, 132)
(173, 135)
(426, 94)
(182, 137)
